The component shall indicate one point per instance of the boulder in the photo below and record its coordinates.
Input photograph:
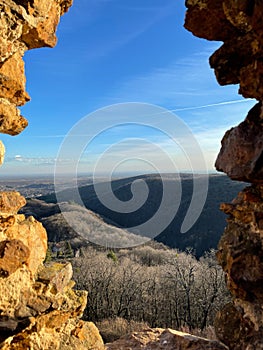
(163, 339)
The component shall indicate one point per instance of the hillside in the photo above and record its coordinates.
(204, 234)
(84, 227)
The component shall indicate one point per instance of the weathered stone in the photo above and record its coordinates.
(210, 14)
(58, 275)
(38, 307)
(44, 17)
(7, 323)
(164, 339)
(12, 80)
(241, 154)
(239, 13)
(2, 152)
(237, 24)
(251, 78)
(55, 331)
(32, 23)
(240, 248)
(40, 310)
(239, 61)
(11, 30)
(6, 221)
(13, 254)
(241, 256)
(41, 297)
(24, 25)
(33, 235)
(235, 330)
(12, 290)
(84, 336)
(49, 317)
(11, 202)
(11, 122)
(235, 55)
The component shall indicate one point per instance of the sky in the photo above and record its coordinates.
(169, 113)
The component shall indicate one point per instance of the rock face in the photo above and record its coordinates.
(241, 155)
(38, 307)
(241, 256)
(164, 339)
(24, 25)
(238, 23)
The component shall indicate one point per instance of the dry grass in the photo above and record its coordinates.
(208, 332)
(113, 329)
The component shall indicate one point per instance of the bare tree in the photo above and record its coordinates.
(164, 288)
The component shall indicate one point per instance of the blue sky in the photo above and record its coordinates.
(111, 52)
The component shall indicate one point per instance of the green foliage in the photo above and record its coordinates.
(111, 255)
(48, 255)
(72, 202)
(68, 251)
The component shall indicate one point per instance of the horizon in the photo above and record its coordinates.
(39, 176)
(101, 60)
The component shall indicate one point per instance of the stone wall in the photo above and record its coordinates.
(38, 308)
(238, 23)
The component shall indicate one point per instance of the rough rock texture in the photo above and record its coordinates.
(24, 25)
(241, 256)
(38, 308)
(238, 23)
(163, 339)
(2, 153)
(241, 155)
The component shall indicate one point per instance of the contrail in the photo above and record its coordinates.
(210, 105)
(166, 111)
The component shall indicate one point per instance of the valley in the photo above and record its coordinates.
(97, 224)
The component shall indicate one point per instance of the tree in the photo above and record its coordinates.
(180, 291)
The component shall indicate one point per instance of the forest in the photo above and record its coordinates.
(151, 285)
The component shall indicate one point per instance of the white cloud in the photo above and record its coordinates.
(31, 160)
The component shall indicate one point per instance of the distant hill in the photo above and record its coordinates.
(204, 234)
(84, 227)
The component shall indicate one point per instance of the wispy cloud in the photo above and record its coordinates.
(221, 116)
(19, 159)
(211, 105)
(185, 82)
